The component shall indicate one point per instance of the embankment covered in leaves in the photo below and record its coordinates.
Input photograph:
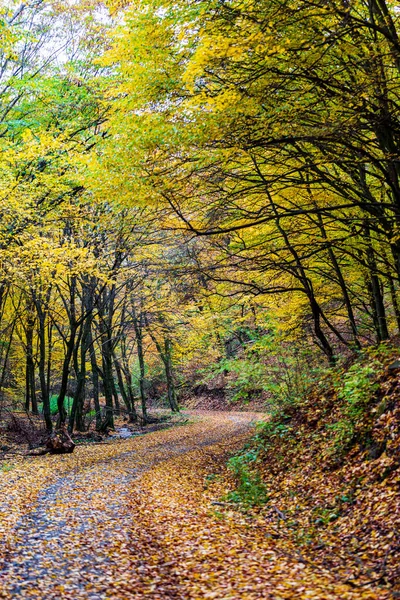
(326, 472)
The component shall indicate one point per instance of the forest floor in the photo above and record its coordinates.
(146, 517)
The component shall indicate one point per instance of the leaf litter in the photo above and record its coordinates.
(146, 517)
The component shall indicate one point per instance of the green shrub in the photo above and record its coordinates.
(54, 407)
(283, 374)
(269, 432)
(250, 490)
(356, 391)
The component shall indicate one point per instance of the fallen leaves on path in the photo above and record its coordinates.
(212, 551)
(143, 518)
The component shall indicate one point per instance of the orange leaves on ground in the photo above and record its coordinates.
(146, 517)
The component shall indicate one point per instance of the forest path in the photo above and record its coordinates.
(80, 536)
(143, 518)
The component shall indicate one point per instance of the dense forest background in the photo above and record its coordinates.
(196, 198)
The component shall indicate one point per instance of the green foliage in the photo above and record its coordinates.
(53, 404)
(6, 467)
(292, 376)
(324, 516)
(358, 387)
(269, 432)
(356, 390)
(250, 377)
(250, 490)
(265, 365)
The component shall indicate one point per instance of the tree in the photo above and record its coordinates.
(258, 123)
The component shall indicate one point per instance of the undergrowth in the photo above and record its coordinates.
(337, 413)
(355, 393)
(250, 490)
(323, 472)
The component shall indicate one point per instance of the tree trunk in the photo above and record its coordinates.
(124, 393)
(137, 324)
(76, 415)
(378, 306)
(342, 284)
(172, 399)
(395, 303)
(44, 389)
(128, 379)
(166, 357)
(80, 353)
(30, 392)
(301, 275)
(62, 413)
(117, 410)
(95, 379)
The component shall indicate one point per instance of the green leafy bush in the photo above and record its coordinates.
(267, 432)
(250, 490)
(356, 391)
(265, 365)
(54, 407)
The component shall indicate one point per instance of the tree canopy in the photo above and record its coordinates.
(177, 176)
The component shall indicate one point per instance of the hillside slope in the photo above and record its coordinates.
(329, 467)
